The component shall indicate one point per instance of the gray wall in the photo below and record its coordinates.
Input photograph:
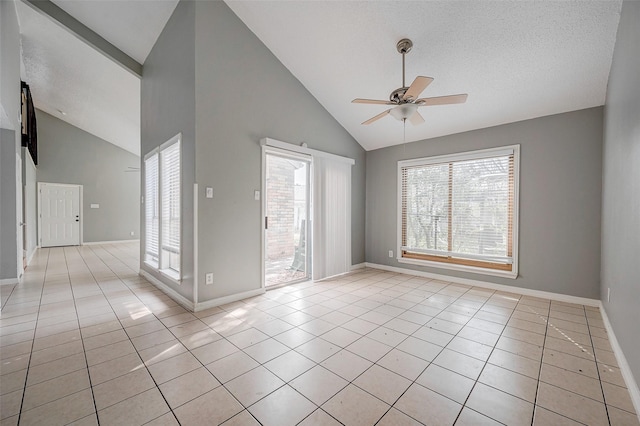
(621, 188)
(8, 229)
(244, 94)
(560, 196)
(67, 154)
(168, 108)
(9, 139)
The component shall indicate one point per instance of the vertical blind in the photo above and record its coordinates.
(152, 221)
(459, 209)
(331, 217)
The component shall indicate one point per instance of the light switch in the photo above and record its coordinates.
(256, 195)
(209, 192)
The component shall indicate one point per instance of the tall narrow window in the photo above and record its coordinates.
(151, 210)
(170, 197)
(460, 211)
(162, 208)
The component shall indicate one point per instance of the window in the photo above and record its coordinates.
(162, 208)
(460, 211)
(151, 210)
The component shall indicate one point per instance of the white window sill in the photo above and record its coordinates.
(172, 275)
(169, 274)
(464, 268)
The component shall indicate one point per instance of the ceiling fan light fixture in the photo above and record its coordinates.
(403, 111)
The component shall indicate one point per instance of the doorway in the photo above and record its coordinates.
(19, 216)
(59, 208)
(287, 234)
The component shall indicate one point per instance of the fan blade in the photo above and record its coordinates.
(416, 118)
(371, 101)
(443, 100)
(418, 85)
(377, 117)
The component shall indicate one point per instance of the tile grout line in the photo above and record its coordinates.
(33, 341)
(595, 358)
(544, 345)
(64, 251)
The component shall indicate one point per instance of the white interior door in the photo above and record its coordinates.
(59, 209)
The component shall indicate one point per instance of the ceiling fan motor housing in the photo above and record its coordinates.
(397, 96)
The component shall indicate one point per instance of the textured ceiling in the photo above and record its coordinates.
(516, 60)
(133, 26)
(65, 74)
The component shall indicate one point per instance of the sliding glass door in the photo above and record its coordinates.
(287, 227)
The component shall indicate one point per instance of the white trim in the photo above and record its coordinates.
(263, 213)
(288, 154)
(186, 303)
(304, 150)
(195, 244)
(358, 266)
(483, 153)
(228, 299)
(625, 369)
(463, 156)
(492, 286)
(9, 281)
(97, 243)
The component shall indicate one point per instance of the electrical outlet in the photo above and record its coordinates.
(390, 253)
(608, 294)
(209, 193)
(132, 233)
(209, 278)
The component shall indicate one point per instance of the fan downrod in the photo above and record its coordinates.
(404, 46)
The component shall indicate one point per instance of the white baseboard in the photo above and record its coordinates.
(627, 375)
(98, 243)
(183, 301)
(9, 281)
(358, 266)
(201, 306)
(500, 287)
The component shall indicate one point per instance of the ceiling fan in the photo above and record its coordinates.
(405, 99)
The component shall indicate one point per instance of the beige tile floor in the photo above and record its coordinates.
(85, 339)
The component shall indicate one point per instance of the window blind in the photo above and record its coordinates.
(152, 221)
(170, 196)
(459, 210)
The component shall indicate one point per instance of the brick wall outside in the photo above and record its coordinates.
(280, 208)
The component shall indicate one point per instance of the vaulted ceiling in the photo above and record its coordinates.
(516, 59)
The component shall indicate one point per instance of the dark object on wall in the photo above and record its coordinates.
(29, 127)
